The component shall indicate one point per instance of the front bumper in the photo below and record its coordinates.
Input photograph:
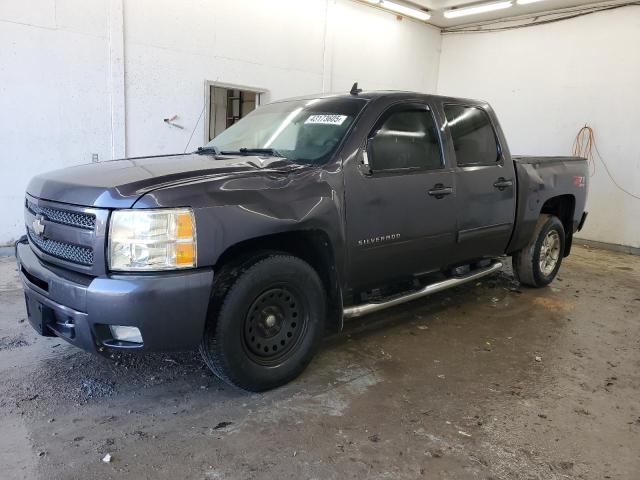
(169, 309)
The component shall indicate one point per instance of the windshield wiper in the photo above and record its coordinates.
(209, 149)
(272, 152)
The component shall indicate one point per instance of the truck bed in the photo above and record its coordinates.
(540, 179)
(551, 159)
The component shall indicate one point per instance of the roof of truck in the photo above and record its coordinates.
(375, 94)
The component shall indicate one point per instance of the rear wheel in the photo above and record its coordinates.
(538, 263)
(268, 324)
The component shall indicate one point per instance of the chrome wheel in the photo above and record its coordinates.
(549, 252)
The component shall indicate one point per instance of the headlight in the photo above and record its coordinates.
(152, 239)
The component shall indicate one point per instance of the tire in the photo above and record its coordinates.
(537, 264)
(265, 327)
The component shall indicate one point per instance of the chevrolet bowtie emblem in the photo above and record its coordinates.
(38, 226)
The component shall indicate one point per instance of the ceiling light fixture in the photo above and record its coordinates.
(475, 9)
(402, 9)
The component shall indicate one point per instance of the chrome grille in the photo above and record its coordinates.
(65, 217)
(65, 251)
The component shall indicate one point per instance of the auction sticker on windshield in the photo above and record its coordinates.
(326, 119)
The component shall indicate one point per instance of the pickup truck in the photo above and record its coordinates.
(304, 213)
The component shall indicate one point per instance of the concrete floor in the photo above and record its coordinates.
(484, 381)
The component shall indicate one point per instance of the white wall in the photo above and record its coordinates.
(291, 48)
(54, 94)
(80, 77)
(64, 93)
(546, 82)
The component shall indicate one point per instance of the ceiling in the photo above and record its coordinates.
(436, 8)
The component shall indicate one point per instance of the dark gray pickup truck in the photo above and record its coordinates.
(305, 212)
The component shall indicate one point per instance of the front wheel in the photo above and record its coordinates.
(268, 324)
(538, 263)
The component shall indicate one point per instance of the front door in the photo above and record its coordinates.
(400, 199)
(485, 184)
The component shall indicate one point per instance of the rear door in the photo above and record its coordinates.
(485, 183)
(400, 199)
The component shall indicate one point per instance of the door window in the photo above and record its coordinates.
(474, 139)
(406, 139)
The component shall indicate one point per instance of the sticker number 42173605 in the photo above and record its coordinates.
(326, 119)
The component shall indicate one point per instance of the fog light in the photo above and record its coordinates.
(126, 334)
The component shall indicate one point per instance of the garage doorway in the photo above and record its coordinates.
(226, 104)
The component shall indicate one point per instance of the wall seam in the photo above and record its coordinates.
(116, 79)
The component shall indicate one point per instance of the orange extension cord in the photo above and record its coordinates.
(584, 145)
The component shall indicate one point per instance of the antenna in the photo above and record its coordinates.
(355, 90)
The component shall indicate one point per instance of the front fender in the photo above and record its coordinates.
(234, 209)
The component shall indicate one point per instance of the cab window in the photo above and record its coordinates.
(474, 139)
(405, 139)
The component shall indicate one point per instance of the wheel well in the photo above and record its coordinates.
(312, 246)
(563, 207)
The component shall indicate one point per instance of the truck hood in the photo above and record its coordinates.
(119, 183)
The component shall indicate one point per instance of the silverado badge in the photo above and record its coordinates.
(38, 226)
(380, 239)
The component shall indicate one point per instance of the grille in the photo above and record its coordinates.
(66, 217)
(65, 251)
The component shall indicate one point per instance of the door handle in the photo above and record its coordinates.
(439, 191)
(503, 183)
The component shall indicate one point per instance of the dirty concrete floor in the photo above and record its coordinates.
(489, 380)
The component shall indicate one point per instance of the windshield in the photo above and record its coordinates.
(304, 131)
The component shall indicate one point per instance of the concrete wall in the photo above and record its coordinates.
(546, 82)
(81, 77)
(54, 94)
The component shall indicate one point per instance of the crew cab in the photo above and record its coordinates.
(304, 213)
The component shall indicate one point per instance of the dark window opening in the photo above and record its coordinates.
(406, 139)
(474, 139)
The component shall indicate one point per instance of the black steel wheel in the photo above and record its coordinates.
(265, 322)
(274, 324)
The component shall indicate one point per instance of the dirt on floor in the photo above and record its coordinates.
(487, 381)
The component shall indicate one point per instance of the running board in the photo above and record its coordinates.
(366, 308)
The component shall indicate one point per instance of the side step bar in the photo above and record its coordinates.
(366, 308)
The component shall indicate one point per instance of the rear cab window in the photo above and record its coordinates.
(474, 138)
